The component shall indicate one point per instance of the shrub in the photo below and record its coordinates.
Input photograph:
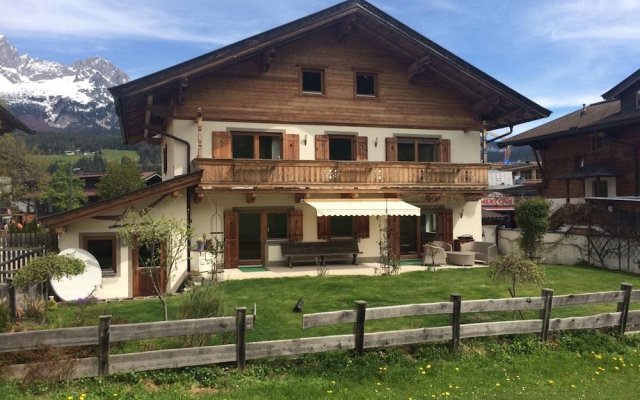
(532, 216)
(516, 270)
(204, 301)
(42, 269)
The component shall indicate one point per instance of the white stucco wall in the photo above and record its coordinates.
(120, 285)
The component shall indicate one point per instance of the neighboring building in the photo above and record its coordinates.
(342, 124)
(91, 179)
(9, 123)
(592, 152)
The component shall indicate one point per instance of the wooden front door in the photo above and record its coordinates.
(148, 270)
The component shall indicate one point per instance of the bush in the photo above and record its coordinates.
(202, 302)
(44, 268)
(532, 216)
(516, 270)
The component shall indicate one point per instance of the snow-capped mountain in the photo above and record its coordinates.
(51, 96)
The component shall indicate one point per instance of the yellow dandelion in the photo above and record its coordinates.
(69, 397)
(597, 372)
(457, 369)
(428, 366)
(329, 391)
(573, 386)
(616, 368)
(423, 372)
(497, 383)
(550, 382)
(447, 393)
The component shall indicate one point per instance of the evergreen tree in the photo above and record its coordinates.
(120, 178)
(23, 176)
(65, 191)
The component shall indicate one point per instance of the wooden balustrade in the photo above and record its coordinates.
(296, 174)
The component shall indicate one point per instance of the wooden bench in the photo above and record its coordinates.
(320, 250)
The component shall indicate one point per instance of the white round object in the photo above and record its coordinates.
(79, 286)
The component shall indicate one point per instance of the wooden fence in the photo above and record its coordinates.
(29, 240)
(104, 334)
(14, 258)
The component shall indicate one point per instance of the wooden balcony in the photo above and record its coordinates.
(341, 176)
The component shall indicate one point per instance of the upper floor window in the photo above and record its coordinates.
(417, 149)
(366, 84)
(266, 146)
(600, 189)
(312, 81)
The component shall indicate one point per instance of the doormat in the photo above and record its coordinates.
(253, 268)
(411, 262)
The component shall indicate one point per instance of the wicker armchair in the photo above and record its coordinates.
(434, 254)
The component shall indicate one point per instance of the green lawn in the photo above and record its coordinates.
(108, 154)
(580, 365)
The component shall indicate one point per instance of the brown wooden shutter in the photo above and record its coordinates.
(291, 143)
(231, 250)
(361, 226)
(392, 144)
(444, 226)
(362, 149)
(445, 150)
(324, 228)
(322, 147)
(221, 145)
(295, 225)
(393, 234)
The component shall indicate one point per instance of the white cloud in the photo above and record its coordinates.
(569, 100)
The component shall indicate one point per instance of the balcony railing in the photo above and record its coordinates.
(345, 175)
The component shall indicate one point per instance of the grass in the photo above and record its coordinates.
(108, 154)
(501, 368)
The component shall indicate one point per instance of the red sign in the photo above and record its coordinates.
(507, 202)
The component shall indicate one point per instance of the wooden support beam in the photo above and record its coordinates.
(266, 58)
(418, 67)
(345, 27)
(349, 195)
(483, 107)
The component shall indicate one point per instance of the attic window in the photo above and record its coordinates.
(366, 84)
(311, 81)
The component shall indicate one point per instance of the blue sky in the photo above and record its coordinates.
(559, 53)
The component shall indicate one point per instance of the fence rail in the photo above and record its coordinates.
(105, 334)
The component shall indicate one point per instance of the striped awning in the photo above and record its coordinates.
(353, 207)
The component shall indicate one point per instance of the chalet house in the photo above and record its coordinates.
(342, 124)
(592, 152)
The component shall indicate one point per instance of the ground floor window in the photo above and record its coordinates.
(103, 248)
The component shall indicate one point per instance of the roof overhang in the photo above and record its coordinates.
(9, 123)
(493, 102)
(94, 209)
(362, 207)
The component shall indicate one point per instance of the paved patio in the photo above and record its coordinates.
(369, 269)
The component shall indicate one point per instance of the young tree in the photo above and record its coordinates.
(166, 240)
(66, 189)
(120, 178)
(516, 270)
(532, 216)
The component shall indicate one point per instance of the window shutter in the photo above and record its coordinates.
(445, 150)
(444, 226)
(322, 147)
(392, 144)
(231, 239)
(324, 228)
(361, 226)
(295, 225)
(291, 143)
(221, 145)
(362, 149)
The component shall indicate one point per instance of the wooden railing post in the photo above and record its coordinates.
(545, 313)
(104, 344)
(12, 300)
(358, 326)
(623, 307)
(241, 316)
(456, 299)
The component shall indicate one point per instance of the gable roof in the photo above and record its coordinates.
(9, 123)
(615, 91)
(100, 207)
(507, 107)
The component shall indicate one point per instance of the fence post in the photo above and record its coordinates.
(358, 326)
(456, 299)
(623, 307)
(241, 315)
(12, 300)
(104, 344)
(545, 312)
